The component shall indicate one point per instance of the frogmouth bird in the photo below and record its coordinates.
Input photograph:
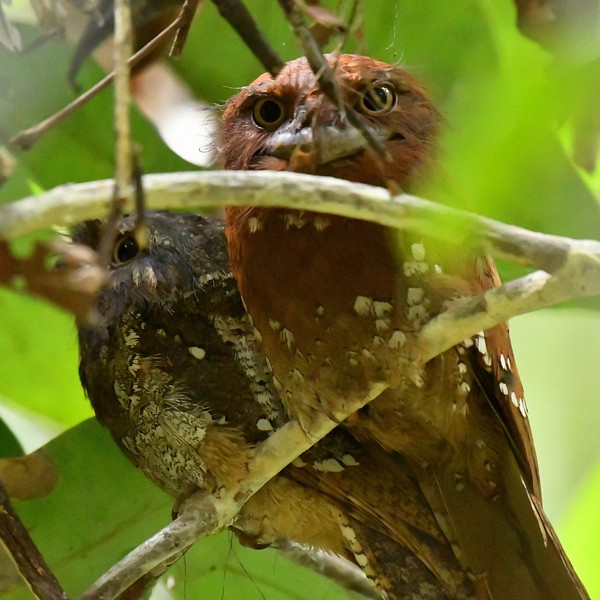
(172, 368)
(339, 303)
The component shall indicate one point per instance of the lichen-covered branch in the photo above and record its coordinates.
(571, 268)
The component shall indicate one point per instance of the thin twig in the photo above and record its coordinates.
(123, 48)
(28, 137)
(123, 44)
(238, 16)
(25, 554)
(326, 75)
(188, 11)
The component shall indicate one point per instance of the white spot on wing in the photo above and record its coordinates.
(503, 363)
(131, 339)
(254, 225)
(514, 399)
(397, 340)
(415, 268)
(288, 337)
(523, 408)
(382, 309)
(329, 465)
(350, 461)
(482, 347)
(363, 306)
(320, 222)
(464, 388)
(416, 313)
(197, 352)
(418, 251)
(414, 295)
(264, 425)
(480, 342)
(382, 325)
(295, 220)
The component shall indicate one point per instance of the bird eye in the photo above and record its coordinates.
(377, 100)
(126, 248)
(268, 113)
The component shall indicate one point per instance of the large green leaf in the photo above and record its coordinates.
(101, 508)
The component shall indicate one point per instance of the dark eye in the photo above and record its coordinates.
(268, 113)
(377, 100)
(125, 249)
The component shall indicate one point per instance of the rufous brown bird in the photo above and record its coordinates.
(172, 368)
(338, 304)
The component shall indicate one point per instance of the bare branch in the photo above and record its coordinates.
(325, 74)
(71, 203)
(188, 12)
(203, 515)
(122, 52)
(574, 264)
(240, 19)
(27, 558)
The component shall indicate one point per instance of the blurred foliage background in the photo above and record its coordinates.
(515, 116)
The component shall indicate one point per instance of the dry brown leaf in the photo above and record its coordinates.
(72, 286)
(28, 477)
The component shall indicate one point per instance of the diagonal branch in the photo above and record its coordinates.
(325, 74)
(25, 554)
(240, 19)
(26, 138)
(203, 515)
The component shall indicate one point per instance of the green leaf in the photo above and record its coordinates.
(580, 529)
(102, 507)
(38, 369)
(9, 444)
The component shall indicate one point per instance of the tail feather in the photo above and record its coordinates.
(506, 542)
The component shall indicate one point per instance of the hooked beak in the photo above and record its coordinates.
(328, 142)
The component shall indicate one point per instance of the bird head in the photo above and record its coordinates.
(287, 122)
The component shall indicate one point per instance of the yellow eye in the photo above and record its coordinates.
(126, 248)
(377, 100)
(268, 113)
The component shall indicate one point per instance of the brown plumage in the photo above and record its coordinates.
(338, 303)
(173, 370)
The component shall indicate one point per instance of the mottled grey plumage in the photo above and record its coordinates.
(171, 326)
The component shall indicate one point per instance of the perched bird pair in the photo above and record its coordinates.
(433, 488)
